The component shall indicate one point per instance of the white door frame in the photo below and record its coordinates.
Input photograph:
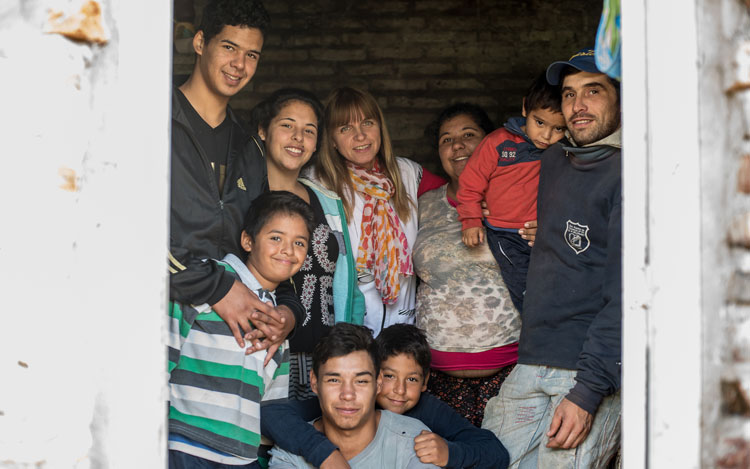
(662, 343)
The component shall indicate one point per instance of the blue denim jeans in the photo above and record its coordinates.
(521, 415)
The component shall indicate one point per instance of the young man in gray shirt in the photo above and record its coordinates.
(345, 376)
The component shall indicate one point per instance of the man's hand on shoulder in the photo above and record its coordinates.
(240, 307)
(236, 309)
(431, 448)
(273, 327)
(570, 426)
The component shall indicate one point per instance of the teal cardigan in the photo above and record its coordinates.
(348, 301)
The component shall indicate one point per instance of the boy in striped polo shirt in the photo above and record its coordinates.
(216, 387)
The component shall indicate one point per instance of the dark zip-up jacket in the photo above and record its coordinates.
(206, 224)
(572, 311)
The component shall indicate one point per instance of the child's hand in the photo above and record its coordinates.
(272, 328)
(473, 237)
(431, 449)
(528, 232)
(255, 337)
(485, 210)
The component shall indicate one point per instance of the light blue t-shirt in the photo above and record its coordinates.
(392, 447)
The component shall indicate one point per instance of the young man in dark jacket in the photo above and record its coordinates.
(560, 407)
(217, 170)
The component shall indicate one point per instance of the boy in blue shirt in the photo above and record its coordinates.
(405, 366)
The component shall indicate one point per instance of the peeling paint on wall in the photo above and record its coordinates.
(743, 175)
(735, 398)
(732, 427)
(83, 25)
(78, 243)
(739, 231)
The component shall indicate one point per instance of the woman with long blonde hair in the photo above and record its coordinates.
(379, 192)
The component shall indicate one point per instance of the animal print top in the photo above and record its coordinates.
(462, 302)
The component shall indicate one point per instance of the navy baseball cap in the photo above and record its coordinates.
(583, 60)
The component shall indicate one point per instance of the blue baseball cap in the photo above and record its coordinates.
(583, 60)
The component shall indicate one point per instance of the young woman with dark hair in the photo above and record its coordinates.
(288, 122)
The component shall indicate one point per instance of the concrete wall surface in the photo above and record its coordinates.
(85, 135)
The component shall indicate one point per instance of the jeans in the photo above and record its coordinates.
(512, 254)
(521, 415)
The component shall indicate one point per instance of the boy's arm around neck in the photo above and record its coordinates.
(468, 446)
(286, 296)
(286, 425)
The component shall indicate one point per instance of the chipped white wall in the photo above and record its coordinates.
(634, 107)
(686, 111)
(662, 266)
(674, 263)
(84, 196)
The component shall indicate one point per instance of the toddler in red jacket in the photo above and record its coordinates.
(504, 172)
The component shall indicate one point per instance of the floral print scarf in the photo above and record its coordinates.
(383, 249)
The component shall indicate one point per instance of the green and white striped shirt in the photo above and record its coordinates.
(215, 390)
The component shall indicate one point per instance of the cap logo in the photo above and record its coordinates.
(584, 53)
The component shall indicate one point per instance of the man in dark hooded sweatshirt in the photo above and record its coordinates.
(560, 407)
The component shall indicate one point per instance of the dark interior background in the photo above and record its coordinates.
(414, 56)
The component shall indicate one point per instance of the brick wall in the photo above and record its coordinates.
(733, 424)
(725, 153)
(416, 56)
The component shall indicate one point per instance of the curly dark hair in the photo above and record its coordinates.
(475, 112)
(270, 204)
(220, 13)
(405, 339)
(344, 339)
(542, 95)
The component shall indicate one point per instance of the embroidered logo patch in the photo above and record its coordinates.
(241, 184)
(577, 236)
(506, 153)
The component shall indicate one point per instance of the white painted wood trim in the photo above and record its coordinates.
(662, 326)
(635, 290)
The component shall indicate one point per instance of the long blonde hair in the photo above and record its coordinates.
(345, 105)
